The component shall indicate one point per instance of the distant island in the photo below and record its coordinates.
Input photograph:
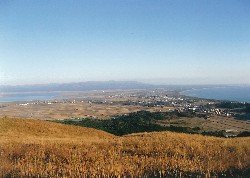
(80, 86)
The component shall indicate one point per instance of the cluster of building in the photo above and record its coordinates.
(148, 99)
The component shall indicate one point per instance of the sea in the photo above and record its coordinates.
(229, 93)
(13, 97)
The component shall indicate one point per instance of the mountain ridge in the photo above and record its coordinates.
(79, 86)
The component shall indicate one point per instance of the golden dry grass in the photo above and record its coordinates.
(36, 131)
(70, 151)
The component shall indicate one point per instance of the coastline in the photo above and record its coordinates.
(26, 96)
(239, 93)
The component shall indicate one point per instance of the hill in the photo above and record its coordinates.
(54, 150)
(28, 130)
(146, 121)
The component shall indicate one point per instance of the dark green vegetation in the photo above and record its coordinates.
(244, 134)
(141, 121)
(145, 121)
(232, 105)
(242, 116)
(241, 110)
(235, 106)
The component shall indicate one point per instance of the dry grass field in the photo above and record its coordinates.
(32, 148)
(64, 110)
(224, 123)
(77, 105)
(36, 131)
(68, 110)
(214, 123)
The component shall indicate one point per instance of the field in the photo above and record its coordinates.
(32, 148)
(214, 123)
(78, 105)
(64, 110)
(112, 103)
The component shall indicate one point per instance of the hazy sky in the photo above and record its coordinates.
(164, 41)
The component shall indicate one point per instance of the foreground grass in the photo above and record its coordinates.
(162, 154)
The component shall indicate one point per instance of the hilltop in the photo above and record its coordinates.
(32, 148)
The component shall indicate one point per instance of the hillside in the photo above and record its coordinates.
(145, 121)
(30, 148)
(28, 130)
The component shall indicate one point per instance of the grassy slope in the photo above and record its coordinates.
(27, 130)
(30, 148)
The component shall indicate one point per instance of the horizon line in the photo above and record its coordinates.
(141, 82)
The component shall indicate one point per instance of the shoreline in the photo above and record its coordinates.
(215, 95)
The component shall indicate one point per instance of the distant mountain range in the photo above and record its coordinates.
(95, 85)
(81, 86)
(104, 85)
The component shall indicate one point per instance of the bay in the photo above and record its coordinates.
(12, 97)
(230, 93)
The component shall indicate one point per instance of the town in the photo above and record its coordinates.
(209, 115)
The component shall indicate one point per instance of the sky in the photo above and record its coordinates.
(152, 41)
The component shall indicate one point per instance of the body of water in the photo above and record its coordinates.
(11, 97)
(234, 93)
(239, 93)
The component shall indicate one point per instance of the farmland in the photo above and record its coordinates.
(132, 133)
(208, 115)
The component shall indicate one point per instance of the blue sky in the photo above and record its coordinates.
(157, 41)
